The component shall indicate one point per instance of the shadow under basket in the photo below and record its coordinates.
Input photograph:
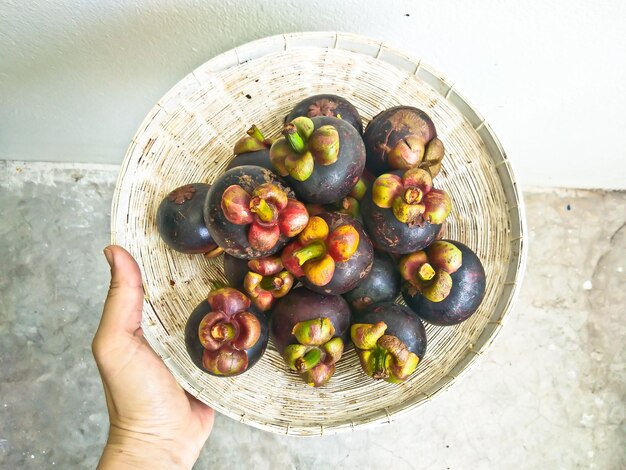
(189, 136)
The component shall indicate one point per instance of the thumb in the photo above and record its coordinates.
(124, 302)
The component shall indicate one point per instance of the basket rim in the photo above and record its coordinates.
(381, 51)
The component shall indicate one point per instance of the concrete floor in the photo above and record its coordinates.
(551, 393)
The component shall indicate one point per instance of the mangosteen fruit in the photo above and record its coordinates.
(389, 340)
(235, 270)
(444, 284)
(311, 331)
(252, 149)
(226, 335)
(180, 221)
(403, 213)
(400, 138)
(263, 279)
(251, 213)
(380, 285)
(321, 158)
(330, 106)
(331, 255)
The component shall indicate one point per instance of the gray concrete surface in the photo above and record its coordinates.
(551, 392)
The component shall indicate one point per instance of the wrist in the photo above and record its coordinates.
(131, 450)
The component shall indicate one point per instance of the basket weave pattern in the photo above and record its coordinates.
(188, 137)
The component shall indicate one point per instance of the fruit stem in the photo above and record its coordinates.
(271, 283)
(290, 131)
(223, 332)
(413, 195)
(309, 360)
(310, 251)
(379, 364)
(261, 208)
(425, 272)
(256, 133)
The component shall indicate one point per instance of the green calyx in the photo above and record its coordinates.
(324, 145)
(253, 142)
(429, 271)
(365, 335)
(437, 288)
(302, 147)
(314, 363)
(383, 356)
(359, 190)
(299, 166)
(314, 332)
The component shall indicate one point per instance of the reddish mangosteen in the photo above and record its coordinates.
(180, 221)
(389, 340)
(225, 334)
(380, 285)
(310, 330)
(251, 213)
(321, 158)
(445, 283)
(329, 106)
(403, 213)
(253, 149)
(331, 255)
(263, 279)
(400, 138)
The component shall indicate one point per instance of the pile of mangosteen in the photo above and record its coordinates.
(321, 229)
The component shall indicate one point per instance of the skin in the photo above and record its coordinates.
(153, 422)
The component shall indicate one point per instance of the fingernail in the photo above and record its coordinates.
(108, 254)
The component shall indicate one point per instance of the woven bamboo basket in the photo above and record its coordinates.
(188, 137)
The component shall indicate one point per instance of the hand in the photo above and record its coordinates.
(154, 423)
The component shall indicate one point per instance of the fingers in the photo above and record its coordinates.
(124, 303)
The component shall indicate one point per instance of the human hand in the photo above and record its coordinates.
(154, 423)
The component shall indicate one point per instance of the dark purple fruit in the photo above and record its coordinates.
(311, 331)
(348, 205)
(390, 341)
(252, 149)
(180, 221)
(251, 213)
(235, 270)
(225, 334)
(403, 212)
(331, 255)
(259, 158)
(329, 106)
(444, 284)
(380, 285)
(400, 138)
(320, 158)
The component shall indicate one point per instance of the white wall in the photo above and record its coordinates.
(77, 77)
